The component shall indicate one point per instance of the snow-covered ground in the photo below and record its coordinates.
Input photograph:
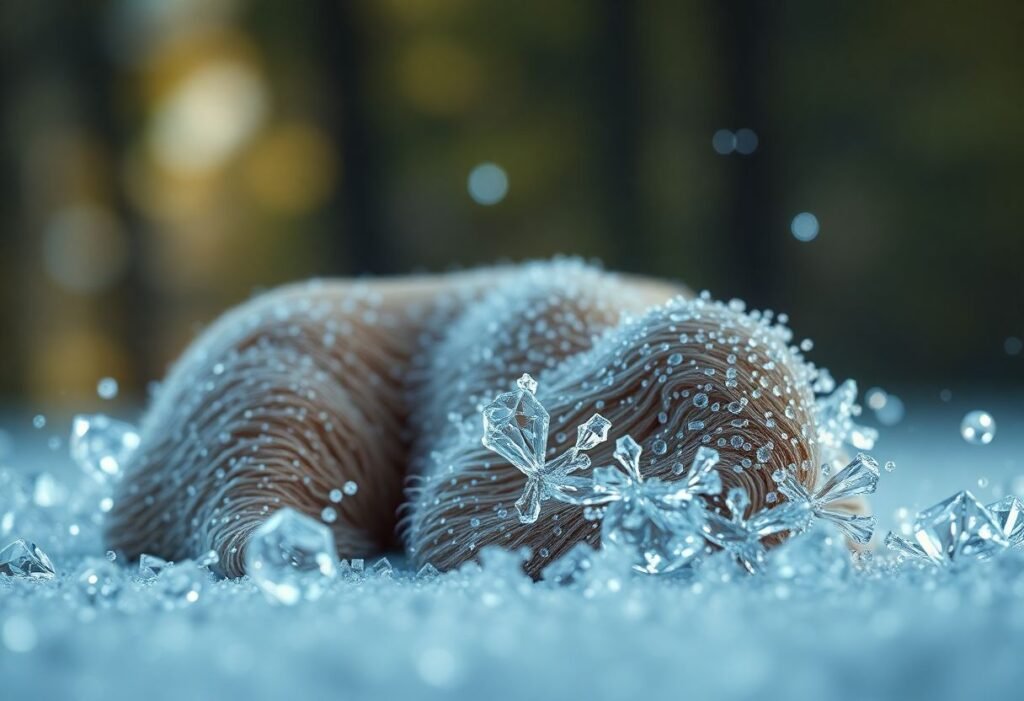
(815, 626)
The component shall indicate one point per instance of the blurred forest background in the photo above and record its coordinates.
(855, 164)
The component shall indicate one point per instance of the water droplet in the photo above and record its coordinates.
(890, 466)
(978, 427)
(804, 227)
(487, 184)
(107, 388)
(350, 488)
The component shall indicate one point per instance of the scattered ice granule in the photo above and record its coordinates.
(151, 565)
(329, 514)
(951, 533)
(834, 415)
(655, 520)
(291, 557)
(427, 572)
(100, 445)
(107, 388)
(978, 427)
(890, 466)
(382, 568)
(1009, 514)
(24, 559)
(181, 584)
(99, 581)
(111, 556)
(516, 428)
(859, 477)
(350, 488)
(336, 495)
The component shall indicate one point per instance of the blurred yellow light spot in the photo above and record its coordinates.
(440, 77)
(70, 360)
(208, 117)
(85, 250)
(290, 169)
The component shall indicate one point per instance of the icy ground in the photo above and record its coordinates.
(816, 626)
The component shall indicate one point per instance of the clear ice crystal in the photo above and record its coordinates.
(953, 532)
(858, 477)
(150, 566)
(658, 520)
(741, 536)
(25, 560)
(1009, 514)
(291, 557)
(516, 428)
(834, 414)
(100, 445)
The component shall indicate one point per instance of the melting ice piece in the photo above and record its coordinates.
(953, 532)
(100, 445)
(742, 537)
(291, 557)
(1009, 514)
(516, 428)
(654, 517)
(24, 559)
(859, 477)
(835, 415)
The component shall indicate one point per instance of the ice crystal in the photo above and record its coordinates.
(290, 557)
(516, 428)
(653, 517)
(859, 477)
(24, 559)
(100, 445)
(952, 533)
(1009, 514)
(741, 536)
(835, 414)
(150, 566)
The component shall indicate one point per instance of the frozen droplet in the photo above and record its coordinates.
(291, 557)
(350, 488)
(39, 421)
(111, 556)
(700, 400)
(764, 454)
(107, 388)
(978, 427)
(890, 466)
(329, 514)
(675, 359)
(804, 226)
(659, 447)
(336, 495)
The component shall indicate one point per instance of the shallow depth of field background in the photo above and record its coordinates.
(161, 161)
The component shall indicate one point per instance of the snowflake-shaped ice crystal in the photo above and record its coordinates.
(741, 536)
(957, 530)
(516, 428)
(650, 515)
(859, 477)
